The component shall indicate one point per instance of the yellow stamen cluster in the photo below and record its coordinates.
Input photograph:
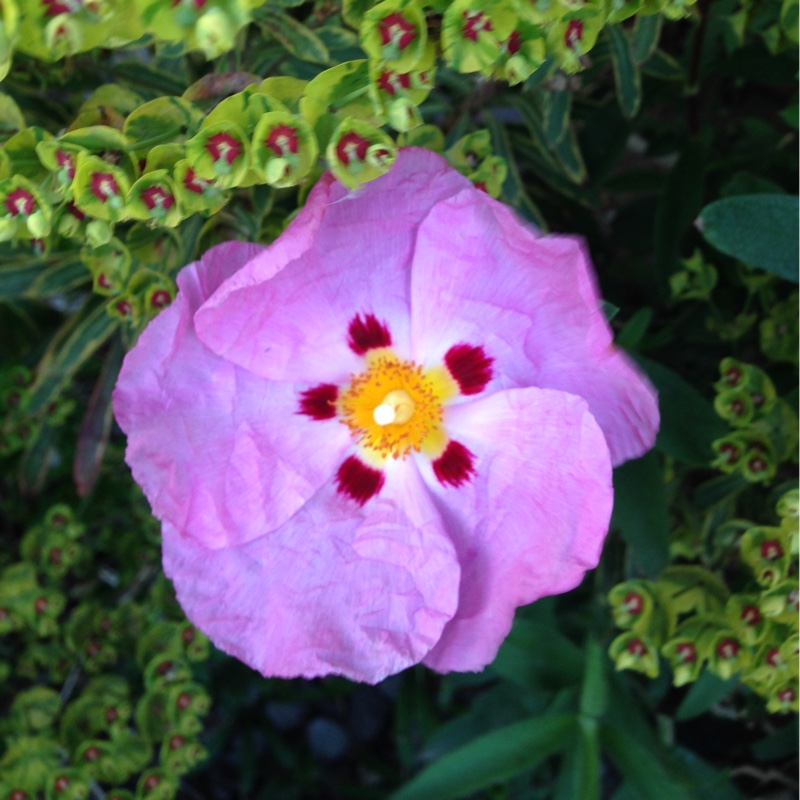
(395, 406)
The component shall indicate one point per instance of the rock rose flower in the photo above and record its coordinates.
(371, 441)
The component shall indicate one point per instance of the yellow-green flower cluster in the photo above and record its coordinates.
(690, 618)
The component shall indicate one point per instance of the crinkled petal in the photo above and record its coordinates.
(220, 453)
(346, 253)
(481, 276)
(339, 589)
(532, 519)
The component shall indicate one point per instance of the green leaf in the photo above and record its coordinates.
(59, 278)
(536, 654)
(758, 229)
(688, 421)
(579, 777)
(644, 37)
(37, 459)
(626, 72)
(640, 512)
(556, 108)
(491, 759)
(594, 693)
(779, 744)
(79, 343)
(635, 328)
(96, 424)
(569, 156)
(662, 66)
(703, 693)
(294, 36)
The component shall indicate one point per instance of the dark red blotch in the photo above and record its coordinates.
(455, 465)
(319, 402)
(358, 481)
(470, 367)
(366, 333)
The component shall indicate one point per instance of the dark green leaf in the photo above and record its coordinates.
(703, 693)
(779, 744)
(79, 342)
(640, 512)
(579, 774)
(660, 65)
(688, 421)
(635, 328)
(626, 72)
(294, 36)
(759, 229)
(491, 759)
(644, 37)
(96, 425)
(594, 693)
(556, 107)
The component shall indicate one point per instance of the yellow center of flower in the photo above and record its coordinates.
(395, 406)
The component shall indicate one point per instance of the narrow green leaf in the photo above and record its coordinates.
(758, 229)
(513, 188)
(36, 460)
(59, 278)
(16, 278)
(491, 759)
(703, 693)
(663, 66)
(556, 107)
(688, 421)
(635, 328)
(96, 424)
(579, 773)
(779, 744)
(626, 72)
(640, 512)
(594, 693)
(294, 36)
(644, 37)
(570, 158)
(77, 345)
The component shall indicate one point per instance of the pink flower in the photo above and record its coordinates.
(371, 441)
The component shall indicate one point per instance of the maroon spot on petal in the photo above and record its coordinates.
(455, 465)
(358, 481)
(470, 367)
(366, 333)
(319, 402)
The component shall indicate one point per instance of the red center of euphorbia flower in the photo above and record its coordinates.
(514, 43)
(223, 147)
(637, 648)
(633, 603)
(686, 653)
(474, 23)
(750, 615)
(396, 29)
(103, 186)
(728, 648)
(160, 299)
(773, 657)
(66, 162)
(156, 197)
(282, 139)
(352, 146)
(391, 82)
(194, 183)
(19, 202)
(771, 550)
(574, 33)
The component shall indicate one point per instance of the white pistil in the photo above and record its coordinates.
(397, 408)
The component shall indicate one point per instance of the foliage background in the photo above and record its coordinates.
(665, 134)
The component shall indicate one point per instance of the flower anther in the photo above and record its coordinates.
(363, 446)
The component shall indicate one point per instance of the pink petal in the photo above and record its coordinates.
(481, 277)
(530, 521)
(339, 589)
(219, 452)
(345, 254)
